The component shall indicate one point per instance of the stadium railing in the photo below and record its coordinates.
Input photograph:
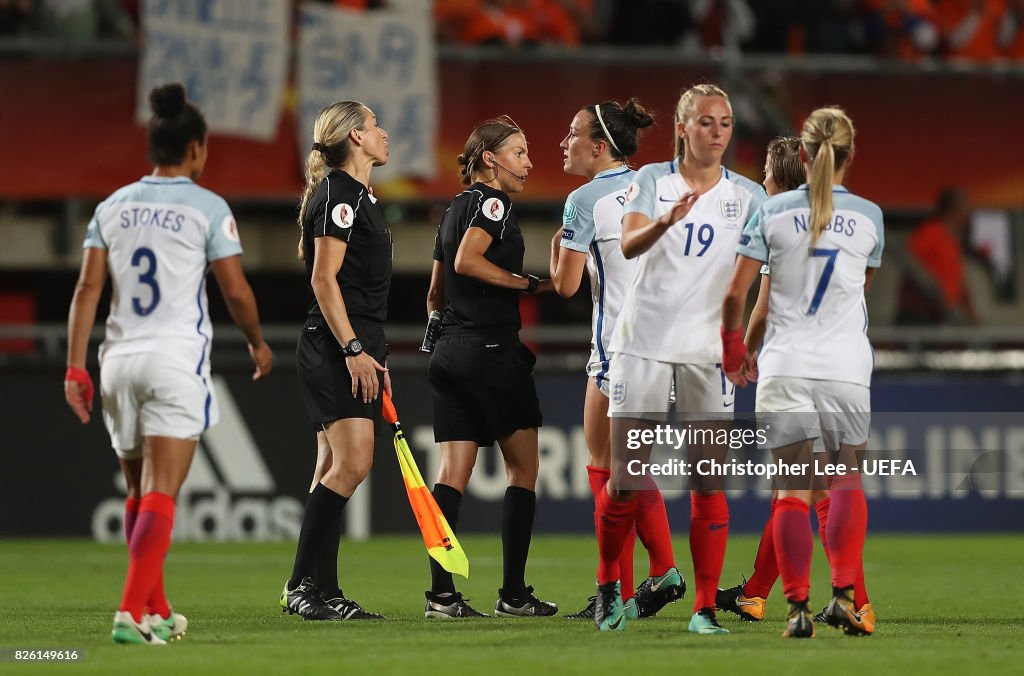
(562, 348)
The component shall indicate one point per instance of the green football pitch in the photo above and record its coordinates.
(945, 604)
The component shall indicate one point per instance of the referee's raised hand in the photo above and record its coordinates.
(363, 369)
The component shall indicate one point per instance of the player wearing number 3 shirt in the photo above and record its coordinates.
(160, 234)
(156, 238)
(683, 219)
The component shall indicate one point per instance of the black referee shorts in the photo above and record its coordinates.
(482, 386)
(323, 375)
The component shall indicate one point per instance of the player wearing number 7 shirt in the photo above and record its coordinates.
(824, 245)
(683, 219)
(156, 238)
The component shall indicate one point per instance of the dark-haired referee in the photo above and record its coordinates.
(480, 374)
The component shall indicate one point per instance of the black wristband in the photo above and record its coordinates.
(532, 282)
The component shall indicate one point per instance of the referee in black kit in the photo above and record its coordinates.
(480, 374)
(346, 247)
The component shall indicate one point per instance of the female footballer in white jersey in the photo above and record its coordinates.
(156, 238)
(823, 245)
(783, 170)
(685, 218)
(601, 138)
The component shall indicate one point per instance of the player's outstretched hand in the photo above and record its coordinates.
(679, 209)
(78, 392)
(263, 358)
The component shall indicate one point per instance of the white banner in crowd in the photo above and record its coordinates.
(231, 56)
(384, 58)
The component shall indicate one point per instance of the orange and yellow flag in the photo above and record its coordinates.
(438, 537)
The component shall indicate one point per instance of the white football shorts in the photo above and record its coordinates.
(599, 369)
(642, 388)
(145, 394)
(802, 408)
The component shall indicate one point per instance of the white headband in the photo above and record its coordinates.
(605, 129)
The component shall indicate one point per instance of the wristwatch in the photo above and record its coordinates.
(353, 349)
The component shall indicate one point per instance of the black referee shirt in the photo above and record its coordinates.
(342, 207)
(472, 303)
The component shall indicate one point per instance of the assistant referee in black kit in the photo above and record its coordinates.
(480, 374)
(346, 246)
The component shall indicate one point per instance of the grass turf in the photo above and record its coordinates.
(945, 604)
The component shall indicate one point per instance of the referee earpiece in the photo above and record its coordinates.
(490, 161)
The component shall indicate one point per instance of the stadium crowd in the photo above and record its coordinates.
(982, 30)
(974, 30)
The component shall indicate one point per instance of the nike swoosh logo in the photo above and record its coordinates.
(746, 603)
(146, 635)
(617, 623)
(662, 199)
(718, 526)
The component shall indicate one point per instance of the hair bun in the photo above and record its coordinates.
(167, 100)
(637, 116)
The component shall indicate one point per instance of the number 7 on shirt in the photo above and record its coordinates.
(826, 275)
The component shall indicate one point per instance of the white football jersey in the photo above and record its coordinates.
(673, 307)
(592, 224)
(160, 235)
(817, 318)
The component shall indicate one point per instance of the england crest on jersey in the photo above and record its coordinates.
(731, 209)
(619, 392)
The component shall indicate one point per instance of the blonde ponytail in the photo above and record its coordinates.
(827, 139)
(331, 149)
(820, 189)
(316, 170)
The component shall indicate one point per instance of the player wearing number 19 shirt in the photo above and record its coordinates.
(823, 245)
(684, 219)
(156, 239)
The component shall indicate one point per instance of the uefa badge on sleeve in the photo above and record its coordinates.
(343, 215)
(632, 191)
(493, 209)
(569, 215)
(228, 227)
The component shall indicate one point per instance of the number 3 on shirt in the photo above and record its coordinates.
(826, 275)
(144, 257)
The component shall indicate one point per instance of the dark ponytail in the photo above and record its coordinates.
(622, 125)
(175, 123)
